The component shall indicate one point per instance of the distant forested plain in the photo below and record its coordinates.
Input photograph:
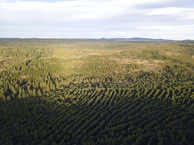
(96, 92)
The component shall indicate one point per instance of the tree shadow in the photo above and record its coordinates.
(96, 117)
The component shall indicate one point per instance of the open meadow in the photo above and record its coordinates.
(96, 92)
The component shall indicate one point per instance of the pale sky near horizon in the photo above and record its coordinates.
(167, 19)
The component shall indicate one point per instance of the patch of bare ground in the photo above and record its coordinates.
(193, 57)
(145, 65)
(24, 77)
(2, 70)
(169, 53)
(1, 57)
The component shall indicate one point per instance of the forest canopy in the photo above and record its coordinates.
(55, 91)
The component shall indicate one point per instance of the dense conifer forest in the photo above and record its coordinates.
(96, 92)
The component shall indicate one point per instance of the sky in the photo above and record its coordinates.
(167, 19)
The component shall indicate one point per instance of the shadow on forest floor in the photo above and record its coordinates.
(108, 120)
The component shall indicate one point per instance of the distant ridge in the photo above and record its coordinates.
(134, 39)
(188, 40)
(140, 39)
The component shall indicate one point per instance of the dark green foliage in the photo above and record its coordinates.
(94, 105)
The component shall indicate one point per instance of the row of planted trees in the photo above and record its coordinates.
(139, 113)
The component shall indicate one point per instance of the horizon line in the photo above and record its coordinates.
(99, 38)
